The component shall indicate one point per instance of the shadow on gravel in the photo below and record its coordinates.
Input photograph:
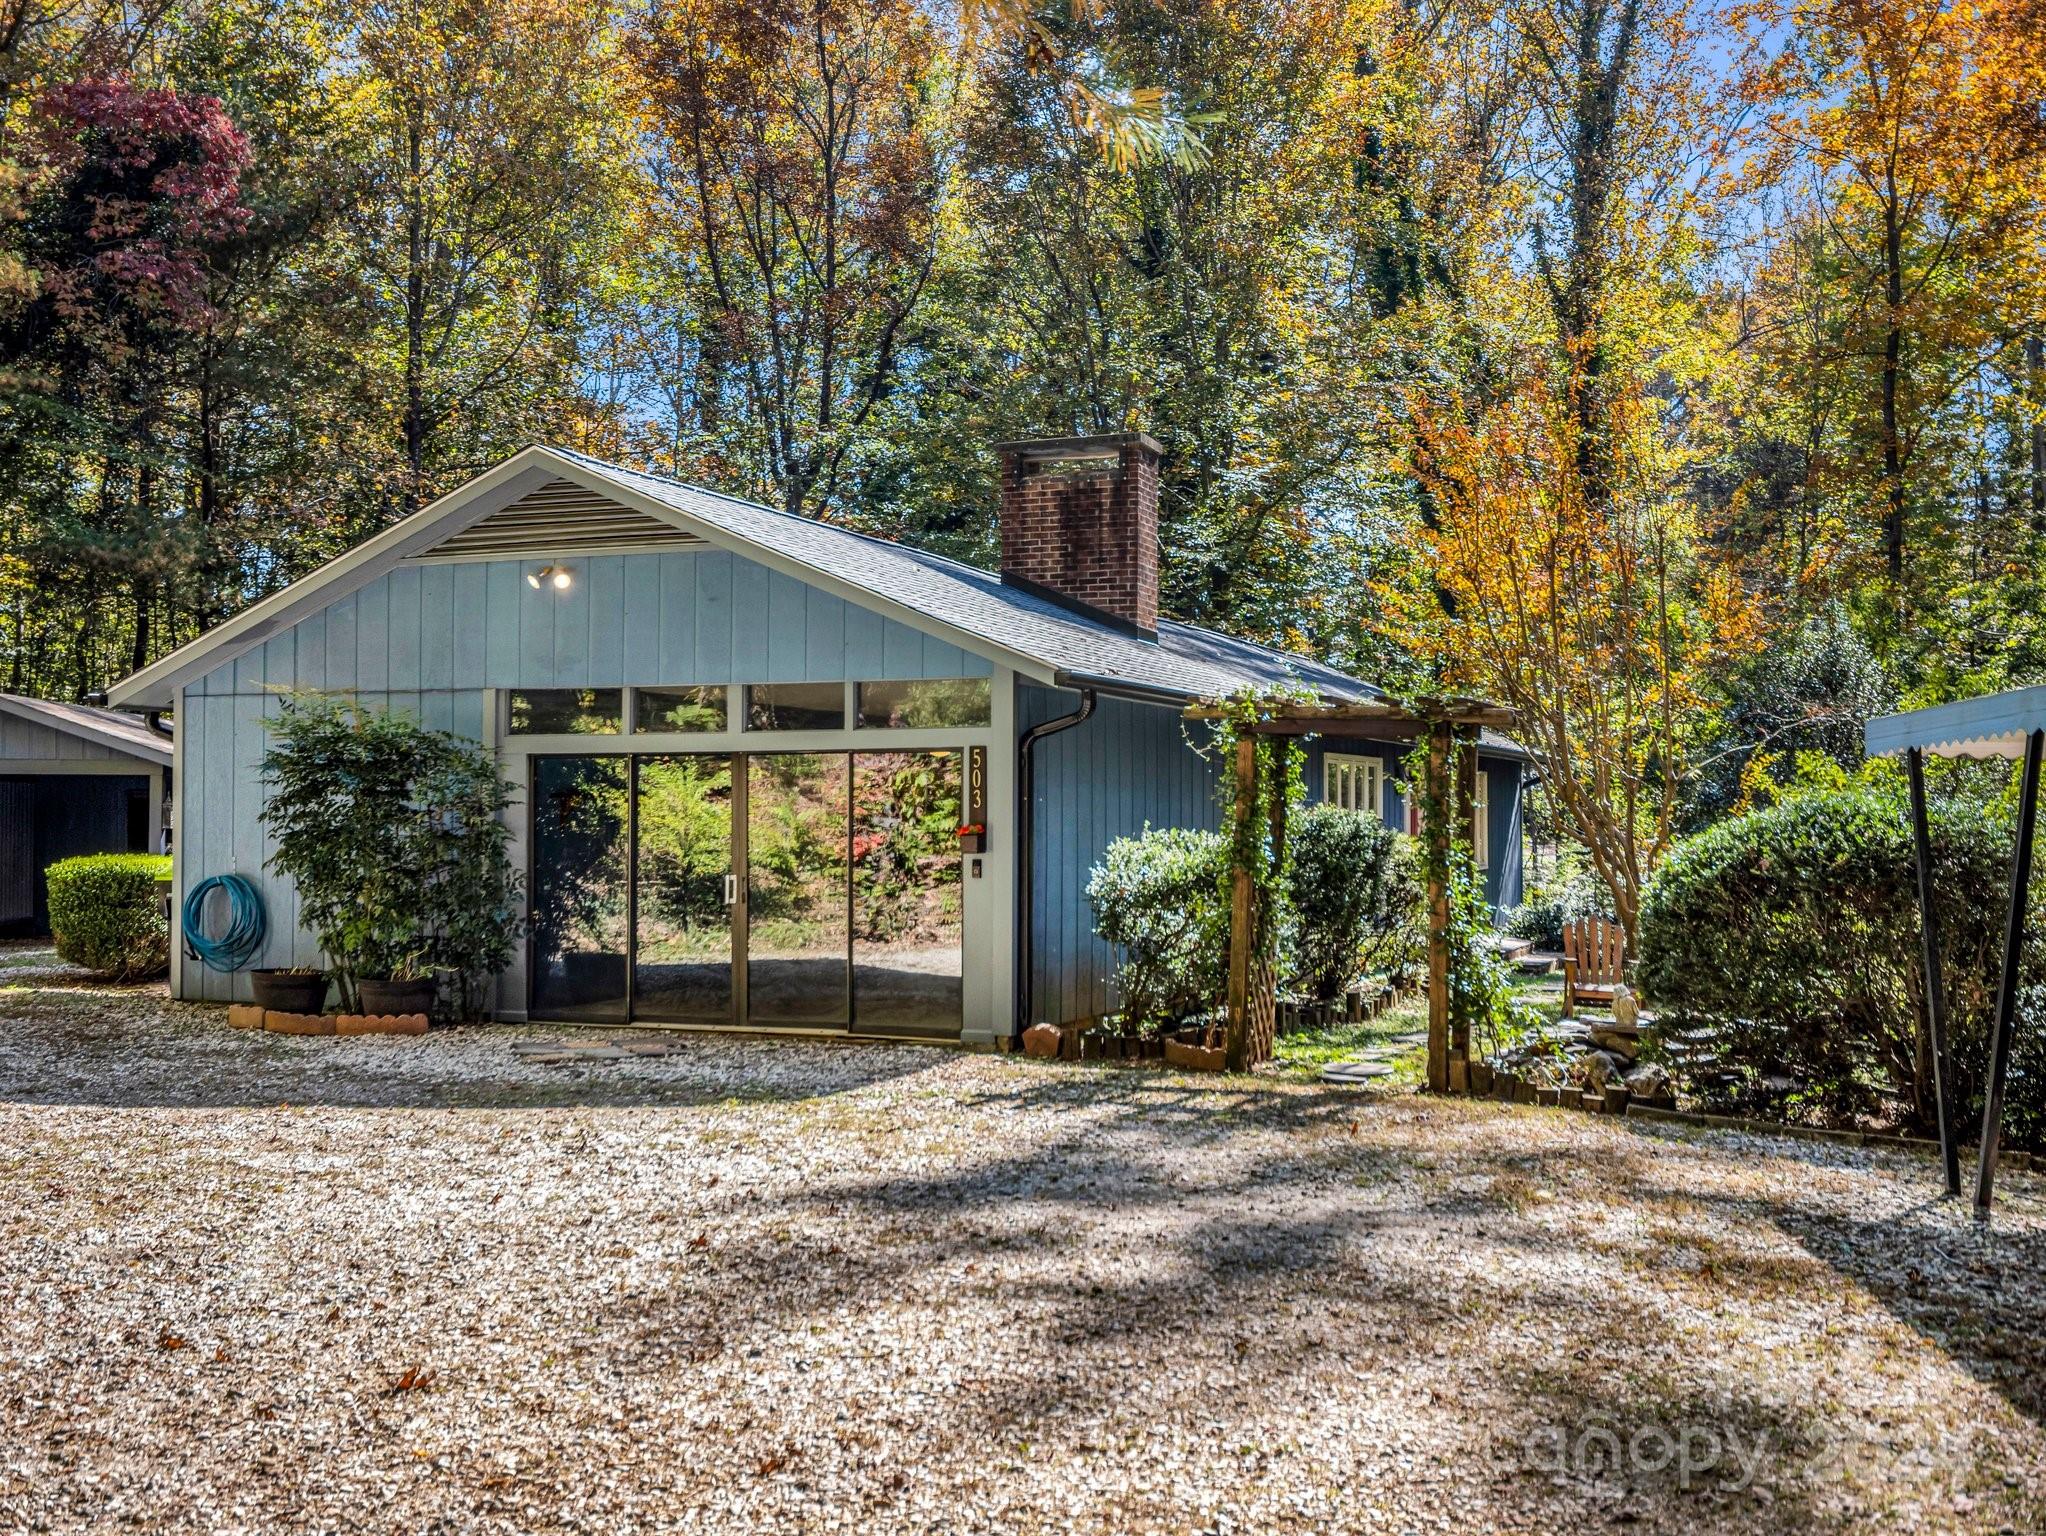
(1976, 1291)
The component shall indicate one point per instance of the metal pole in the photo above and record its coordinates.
(1935, 987)
(2007, 988)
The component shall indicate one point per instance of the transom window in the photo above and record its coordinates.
(1353, 783)
(679, 709)
(795, 706)
(926, 704)
(566, 711)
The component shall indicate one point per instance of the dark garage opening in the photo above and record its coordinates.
(47, 817)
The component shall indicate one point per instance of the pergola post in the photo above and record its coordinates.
(1935, 985)
(1265, 984)
(1242, 923)
(2007, 988)
(1435, 830)
(1467, 829)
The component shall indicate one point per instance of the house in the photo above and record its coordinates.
(73, 779)
(738, 729)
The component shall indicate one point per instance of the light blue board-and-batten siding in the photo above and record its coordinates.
(428, 640)
(1127, 767)
(221, 831)
(642, 620)
(28, 741)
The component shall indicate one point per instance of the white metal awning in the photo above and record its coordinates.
(1994, 725)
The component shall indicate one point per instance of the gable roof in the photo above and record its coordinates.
(103, 727)
(961, 603)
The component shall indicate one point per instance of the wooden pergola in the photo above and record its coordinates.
(1451, 727)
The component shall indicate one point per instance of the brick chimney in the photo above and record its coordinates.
(1080, 523)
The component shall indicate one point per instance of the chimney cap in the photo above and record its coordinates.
(1059, 447)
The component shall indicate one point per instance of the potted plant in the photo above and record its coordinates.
(289, 989)
(408, 989)
(393, 836)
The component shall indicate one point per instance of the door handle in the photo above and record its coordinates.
(731, 890)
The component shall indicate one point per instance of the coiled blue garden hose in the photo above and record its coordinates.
(245, 923)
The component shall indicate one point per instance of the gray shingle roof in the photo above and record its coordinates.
(1184, 660)
(108, 727)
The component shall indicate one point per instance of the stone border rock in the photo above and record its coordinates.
(2024, 1162)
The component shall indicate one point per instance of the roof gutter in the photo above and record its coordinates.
(1089, 683)
(1026, 838)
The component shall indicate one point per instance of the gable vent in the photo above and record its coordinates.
(561, 518)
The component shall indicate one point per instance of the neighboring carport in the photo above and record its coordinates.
(2008, 725)
(73, 780)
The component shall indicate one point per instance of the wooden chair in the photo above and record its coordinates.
(1594, 961)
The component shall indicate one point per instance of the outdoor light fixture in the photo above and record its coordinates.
(557, 575)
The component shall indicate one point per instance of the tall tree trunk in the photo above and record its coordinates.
(144, 595)
(415, 323)
(205, 606)
(2035, 370)
(1893, 371)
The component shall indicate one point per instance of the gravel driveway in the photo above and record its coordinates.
(271, 1284)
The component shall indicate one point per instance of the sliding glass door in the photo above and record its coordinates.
(781, 890)
(907, 915)
(684, 907)
(798, 964)
(581, 889)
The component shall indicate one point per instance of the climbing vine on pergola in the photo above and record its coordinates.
(1259, 736)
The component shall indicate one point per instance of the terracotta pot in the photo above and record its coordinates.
(289, 991)
(389, 998)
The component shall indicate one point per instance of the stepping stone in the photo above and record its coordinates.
(1354, 1071)
(1412, 1037)
(536, 1047)
(545, 1058)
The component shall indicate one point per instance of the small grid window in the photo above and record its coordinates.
(566, 711)
(795, 707)
(1353, 783)
(678, 709)
(927, 704)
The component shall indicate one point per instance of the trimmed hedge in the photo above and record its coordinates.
(1158, 899)
(1356, 897)
(105, 914)
(1792, 932)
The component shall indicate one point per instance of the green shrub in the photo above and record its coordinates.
(106, 916)
(1355, 898)
(1793, 932)
(1158, 899)
(393, 835)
